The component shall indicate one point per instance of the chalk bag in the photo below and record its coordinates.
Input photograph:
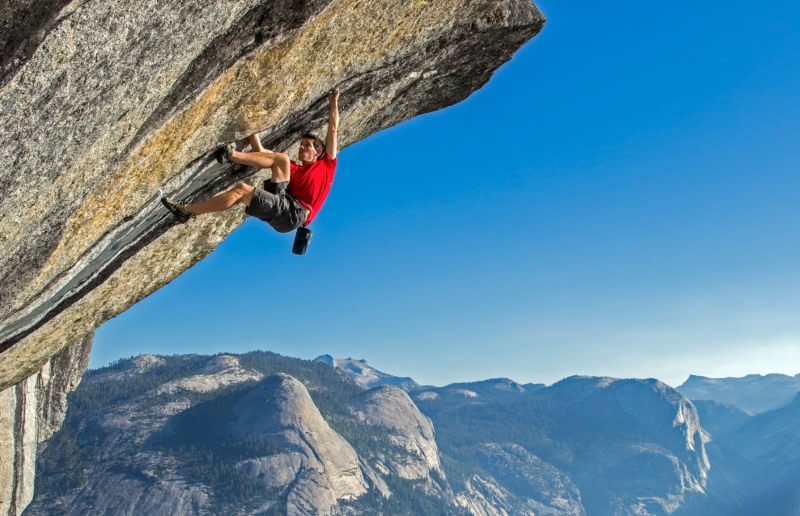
(301, 239)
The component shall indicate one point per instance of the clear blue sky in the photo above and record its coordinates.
(621, 199)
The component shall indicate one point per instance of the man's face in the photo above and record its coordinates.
(307, 152)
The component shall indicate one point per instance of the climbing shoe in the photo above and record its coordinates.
(224, 154)
(179, 210)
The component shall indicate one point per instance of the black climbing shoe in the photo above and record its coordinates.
(223, 154)
(179, 210)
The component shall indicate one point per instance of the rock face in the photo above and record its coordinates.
(103, 104)
(410, 451)
(319, 467)
(30, 413)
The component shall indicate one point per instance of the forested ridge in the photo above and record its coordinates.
(198, 441)
(575, 446)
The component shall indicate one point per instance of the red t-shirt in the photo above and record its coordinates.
(310, 184)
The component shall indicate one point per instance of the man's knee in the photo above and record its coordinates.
(282, 158)
(281, 167)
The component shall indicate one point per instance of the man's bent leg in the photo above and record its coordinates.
(278, 162)
(241, 193)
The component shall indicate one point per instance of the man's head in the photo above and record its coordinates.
(311, 148)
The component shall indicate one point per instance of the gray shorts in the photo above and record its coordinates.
(277, 208)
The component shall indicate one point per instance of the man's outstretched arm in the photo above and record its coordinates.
(331, 143)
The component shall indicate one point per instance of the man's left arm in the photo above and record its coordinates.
(331, 143)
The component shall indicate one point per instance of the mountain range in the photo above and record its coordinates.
(260, 433)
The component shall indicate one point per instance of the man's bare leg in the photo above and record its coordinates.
(241, 193)
(278, 162)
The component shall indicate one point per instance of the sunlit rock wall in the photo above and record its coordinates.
(104, 103)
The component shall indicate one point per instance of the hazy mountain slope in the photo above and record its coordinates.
(516, 481)
(720, 419)
(411, 450)
(753, 393)
(756, 464)
(489, 389)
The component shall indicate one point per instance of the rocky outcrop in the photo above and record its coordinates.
(319, 468)
(104, 104)
(130, 369)
(410, 451)
(30, 413)
(59, 377)
(18, 440)
(221, 371)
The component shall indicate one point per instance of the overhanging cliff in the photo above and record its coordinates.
(104, 103)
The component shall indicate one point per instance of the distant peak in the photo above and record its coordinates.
(326, 359)
(365, 375)
(696, 377)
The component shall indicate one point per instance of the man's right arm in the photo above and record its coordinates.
(331, 139)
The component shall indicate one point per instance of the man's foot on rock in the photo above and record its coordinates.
(224, 154)
(179, 210)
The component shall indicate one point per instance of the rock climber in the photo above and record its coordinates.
(295, 192)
